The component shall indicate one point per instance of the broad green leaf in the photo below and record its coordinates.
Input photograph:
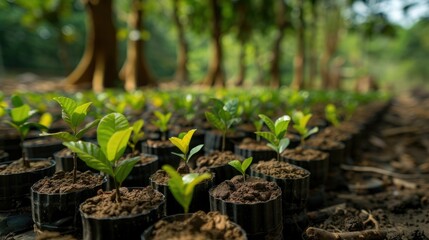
(79, 114)
(194, 150)
(20, 114)
(36, 125)
(281, 125)
(231, 106)
(217, 104)
(297, 116)
(246, 163)
(268, 122)
(178, 143)
(188, 178)
(64, 136)
(92, 155)
(275, 148)
(237, 165)
(183, 143)
(224, 116)
(331, 114)
(191, 185)
(137, 134)
(2, 111)
(176, 186)
(16, 101)
(181, 155)
(108, 125)
(215, 121)
(124, 168)
(269, 136)
(46, 119)
(68, 106)
(284, 143)
(117, 144)
(233, 121)
(87, 127)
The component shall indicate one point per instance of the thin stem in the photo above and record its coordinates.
(223, 140)
(278, 156)
(74, 166)
(118, 193)
(25, 163)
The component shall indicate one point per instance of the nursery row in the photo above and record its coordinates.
(245, 167)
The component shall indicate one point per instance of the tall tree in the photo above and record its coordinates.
(299, 61)
(135, 71)
(97, 68)
(182, 73)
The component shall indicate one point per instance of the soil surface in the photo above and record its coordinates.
(62, 182)
(301, 154)
(253, 190)
(18, 167)
(252, 144)
(144, 158)
(135, 201)
(334, 133)
(199, 226)
(279, 169)
(217, 158)
(321, 142)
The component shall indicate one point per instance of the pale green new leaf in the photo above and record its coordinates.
(194, 150)
(237, 165)
(64, 136)
(274, 147)
(284, 143)
(124, 168)
(68, 106)
(181, 155)
(191, 183)
(176, 186)
(281, 125)
(117, 144)
(215, 121)
(108, 125)
(246, 163)
(79, 114)
(20, 114)
(268, 122)
(87, 127)
(311, 132)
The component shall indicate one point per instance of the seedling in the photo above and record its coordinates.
(113, 133)
(73, 115)
(137, 134)
(182, 187)
(242, 166)
(162, 123)
(258, 127)
(19, 116)
(331, 114)
(276, 136)
(182, 142)
(223, 116)
(300, 124)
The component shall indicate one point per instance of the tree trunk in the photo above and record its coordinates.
(299, 61)
(276, 50)
(241, 65)
(312, 59)
(215, 75)
(135, 72)
(182, 74)
(97, 67)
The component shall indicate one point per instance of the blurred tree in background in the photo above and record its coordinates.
(298, 43)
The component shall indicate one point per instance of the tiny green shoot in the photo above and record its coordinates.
(241, 166)
(300, 124)
(276, 134)
(137, 134)
(182, 142)
(182, 187)
(331, 114)
(162, 123)
(113, 133)
(223, 116)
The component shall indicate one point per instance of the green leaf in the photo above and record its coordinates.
(274, 147)
(311, 132)
(46, 119)
(20, 114)
(281, 125)
(224, 116)
(79, 114)
(92, 155)
(246, 163)
(16, 101)
(181, 155)
(216, 103)
(108, 125)
(194, 182)
(64, 136)
(36, 125)
(124, 168)
(268, 122)
(68, 106)
(176, 186)
(269, 136)
(87, 127)
(231, 106)
(284, 143)
(117, 144)
(237, 165)
(215, 121)
(194, 150)
(137, 127)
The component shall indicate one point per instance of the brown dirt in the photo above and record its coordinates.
(252, 144)
(279, 169)
(135, 201)
(159, 143)
(301, 154)
(62, 182)
(200, 226)
(217, 158)
(253, 190)
(17, 167)
(321, 142)
(334, 133)
(143, 157)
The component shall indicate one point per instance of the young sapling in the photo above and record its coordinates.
(19, 116)
(300, 121)
(276, 134)
(223, 116)
(73, 115)
(162, 123)
(331, 114)
(182, 187)
(242, 166)
(182, 142)
(113, 133)
(258, 127)
(137, 134)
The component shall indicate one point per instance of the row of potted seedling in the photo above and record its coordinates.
(113, 136)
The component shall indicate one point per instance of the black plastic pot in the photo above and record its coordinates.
(164, 154)
(199, 199)
(147, 234)
(15, 188)
(257, 155)
(35, 149)
(4, 157)
(139, 176)
(213, 141)
(59, 212)
(260, 220)
(124, 227)
(65, 163)
(294, 201)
